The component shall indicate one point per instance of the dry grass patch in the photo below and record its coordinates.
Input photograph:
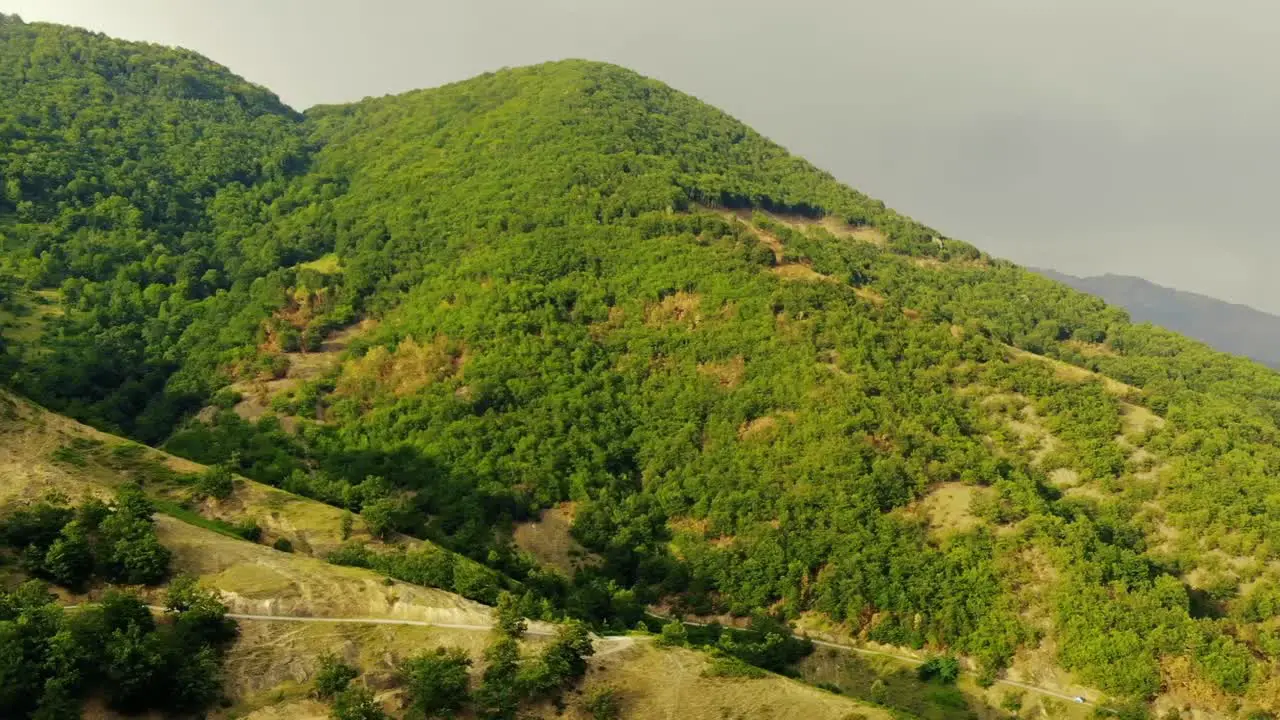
(801, 273)
(29, 438)
(772, 242)
(1064, 477)
(328, 264)
(1184, 685)
(727, 374)
(1038, 666)
(257, 393)
(1138, 420)
(948, 508)
(670, 683)
(759, 428)
(409, 368)
(33, 311)
(313, 527)
(861, 233)
(1036, 439)
(1075, 373)
(802, 223)
(697, 527)
(617, 316)
(255, 579)
(289, 704)
(936, 264)
(1091, 349)
(271, 666)
(549, 540)
(681, 307)
(869, 295)
(1086, 491)
(764, 426)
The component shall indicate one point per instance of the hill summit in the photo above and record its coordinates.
(747, 388)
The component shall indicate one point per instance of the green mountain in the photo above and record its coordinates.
(1230, 327)
(756, 389)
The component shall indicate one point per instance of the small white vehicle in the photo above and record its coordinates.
(1079, 699)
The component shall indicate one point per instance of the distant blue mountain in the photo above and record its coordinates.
(1229, 327)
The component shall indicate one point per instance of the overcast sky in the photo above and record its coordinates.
(1090, 136)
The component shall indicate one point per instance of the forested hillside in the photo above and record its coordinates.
(1230, 327)
(757, 390)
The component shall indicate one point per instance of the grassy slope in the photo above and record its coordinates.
(268, 668)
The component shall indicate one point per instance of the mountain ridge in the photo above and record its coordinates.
(1236, 328)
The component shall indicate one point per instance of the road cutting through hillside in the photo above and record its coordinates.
(917, 661)
(623, 642)
(620, 642)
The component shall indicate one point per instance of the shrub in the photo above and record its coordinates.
(283, 545)
(216, 482)
(602, 703)
(437, 682)
(248, 529)
(944, 668)
(722, 665)
(356, 703)
(673, 634)
(333, 676)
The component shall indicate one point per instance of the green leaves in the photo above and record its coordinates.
(118, 543)
(50, 660)
(437, 682)
(332, 676)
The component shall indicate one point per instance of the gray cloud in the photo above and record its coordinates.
(1130, 136)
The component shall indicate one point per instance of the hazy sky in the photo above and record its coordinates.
(1129, 136)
